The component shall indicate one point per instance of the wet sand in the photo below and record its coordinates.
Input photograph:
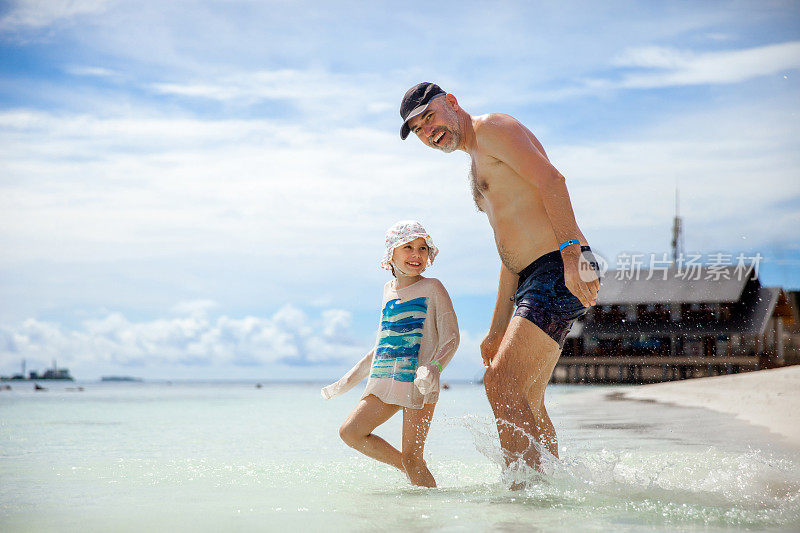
(767, 398)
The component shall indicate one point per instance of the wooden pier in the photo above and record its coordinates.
(620, 369)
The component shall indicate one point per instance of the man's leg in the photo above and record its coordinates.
(546, 432)
(521, 370)
(356, 430)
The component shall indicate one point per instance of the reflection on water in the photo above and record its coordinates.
(232, 457)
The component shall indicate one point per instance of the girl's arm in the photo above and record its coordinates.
(427, 378)
(351, 379)
(447, 328)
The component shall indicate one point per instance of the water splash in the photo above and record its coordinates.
(698, 485)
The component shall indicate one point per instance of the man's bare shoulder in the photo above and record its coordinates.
(499, 135)
(492, 123)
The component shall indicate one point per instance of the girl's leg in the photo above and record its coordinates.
(416, 423)
(357, 430)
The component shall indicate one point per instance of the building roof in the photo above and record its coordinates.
(710, 286)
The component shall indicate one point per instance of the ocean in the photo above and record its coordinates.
(228, 456)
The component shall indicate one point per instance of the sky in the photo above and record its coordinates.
(200, 190)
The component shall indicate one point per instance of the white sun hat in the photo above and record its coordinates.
(403, 232)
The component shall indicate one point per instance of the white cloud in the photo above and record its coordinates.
(653, 67)
(276, 208)
(671, 67)
(719, 37)
(194, 308)
(276, 84)
(319, 98)
(289, 336)
(41, 13)
(731, 167)
(158, 185)
(336, 323)
(330, 96)
(95, 72)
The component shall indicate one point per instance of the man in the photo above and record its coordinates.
(546, 264)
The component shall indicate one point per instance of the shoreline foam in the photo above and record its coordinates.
(766, 398)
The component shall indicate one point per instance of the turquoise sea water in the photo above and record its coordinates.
(233, 457)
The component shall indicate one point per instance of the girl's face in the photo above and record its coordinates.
(411, 257)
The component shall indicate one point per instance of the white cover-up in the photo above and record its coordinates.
(417, 325)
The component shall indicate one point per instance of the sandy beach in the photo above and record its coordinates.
(768, 398)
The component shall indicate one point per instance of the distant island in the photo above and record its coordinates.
(120, 378)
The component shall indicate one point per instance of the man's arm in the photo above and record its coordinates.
(507, 140)
(503, 309)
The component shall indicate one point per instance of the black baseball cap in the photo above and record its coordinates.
(415, 101)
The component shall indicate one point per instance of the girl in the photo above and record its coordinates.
(417, 338)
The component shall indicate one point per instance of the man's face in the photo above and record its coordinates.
(437, 126)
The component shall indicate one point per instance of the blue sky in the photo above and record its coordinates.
(200, 189)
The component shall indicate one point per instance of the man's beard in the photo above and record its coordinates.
(452, 143)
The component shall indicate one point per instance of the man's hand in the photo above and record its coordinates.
(580, 278)
(489, 347)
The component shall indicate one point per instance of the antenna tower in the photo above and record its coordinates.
(677, 232)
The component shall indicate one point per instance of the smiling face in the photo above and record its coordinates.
(411, 257)
(438, 126)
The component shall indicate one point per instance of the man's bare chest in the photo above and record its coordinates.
(478, 186)
(487, 177)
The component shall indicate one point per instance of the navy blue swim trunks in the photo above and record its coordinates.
(544, 299)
